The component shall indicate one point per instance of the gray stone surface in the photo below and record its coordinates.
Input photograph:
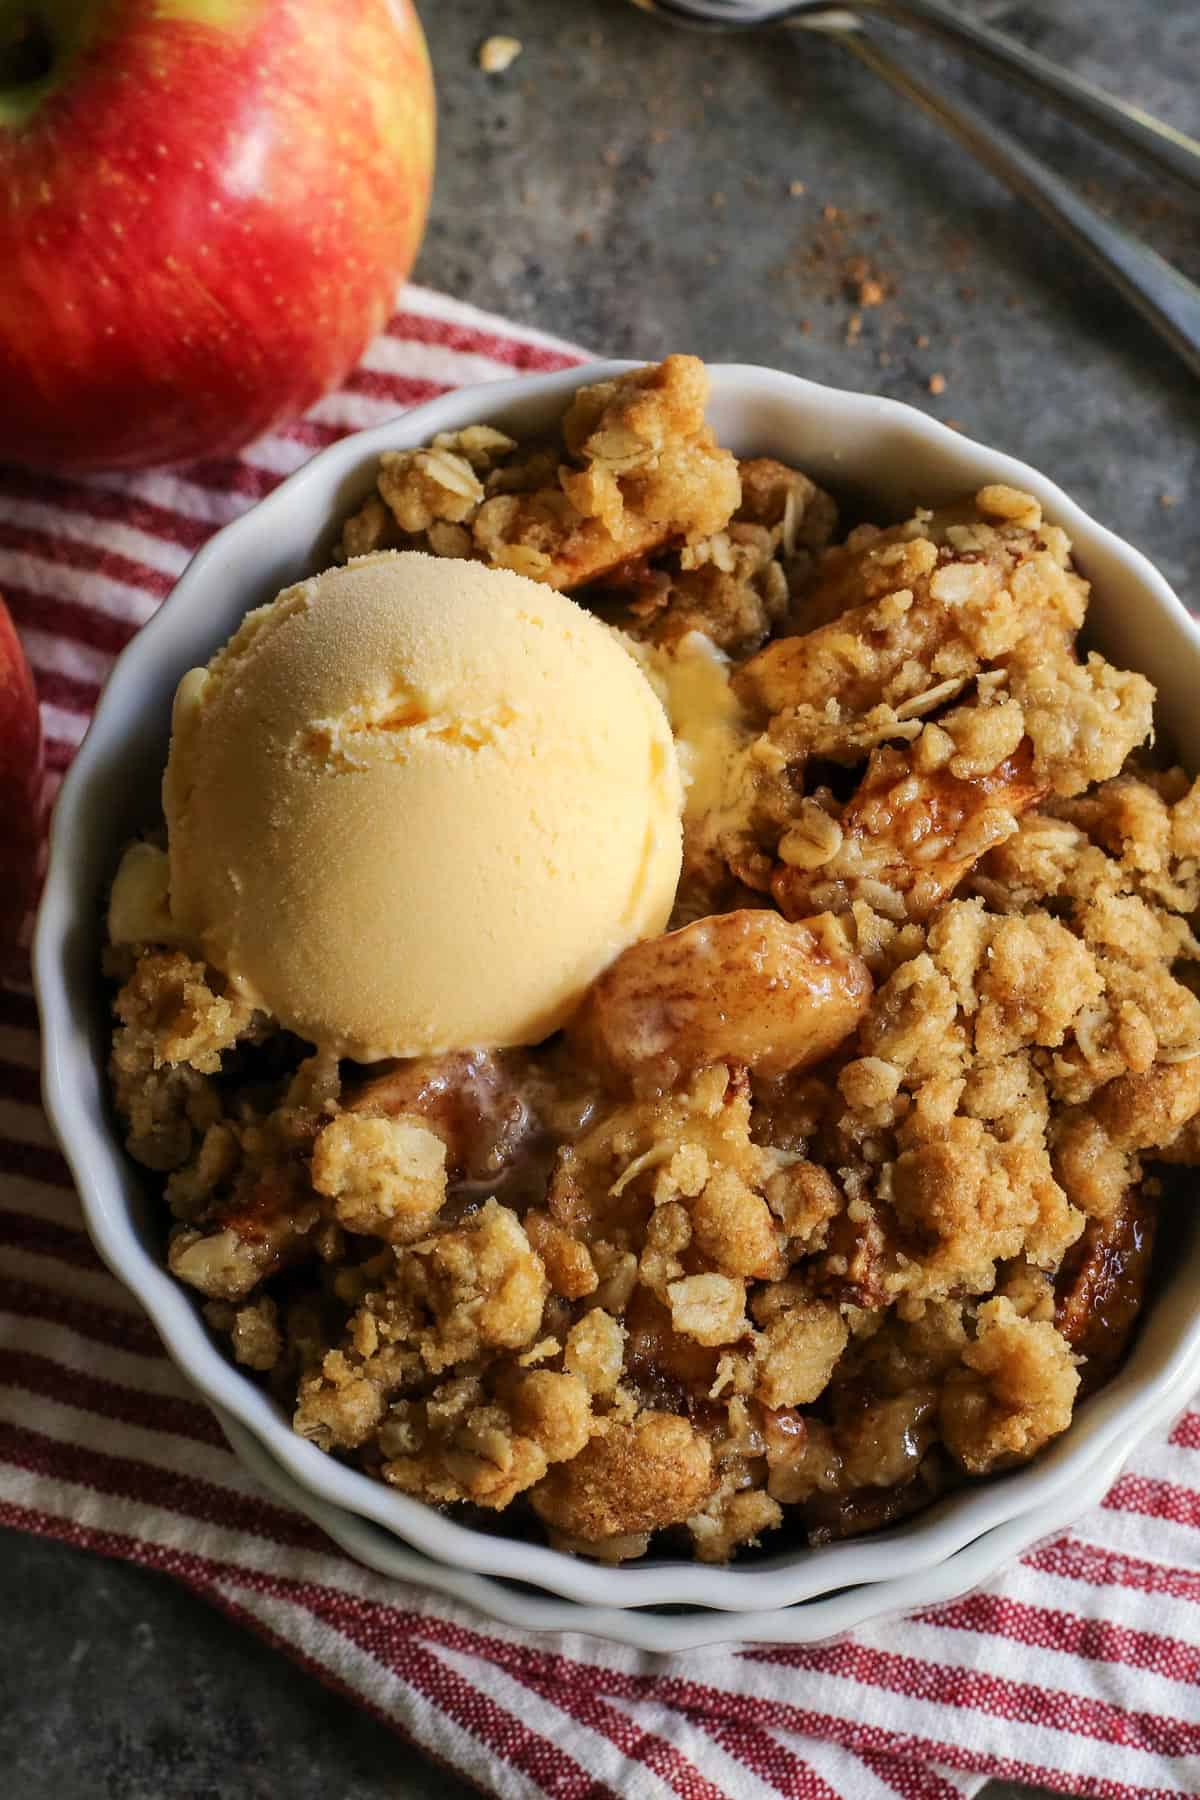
(116, 1684)
(629, 186)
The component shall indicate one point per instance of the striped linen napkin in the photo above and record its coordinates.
(1078, 1670)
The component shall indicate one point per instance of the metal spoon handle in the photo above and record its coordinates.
(1161, 294)
(1122, 124)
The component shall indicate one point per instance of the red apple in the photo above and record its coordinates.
(205, 206)
(20, 785)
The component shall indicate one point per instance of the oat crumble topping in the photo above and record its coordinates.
(838, 1195)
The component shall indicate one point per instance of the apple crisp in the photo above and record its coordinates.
(839, 1194)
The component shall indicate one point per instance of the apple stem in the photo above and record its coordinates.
(26, 49)
(39, 40)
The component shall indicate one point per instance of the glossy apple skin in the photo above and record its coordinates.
(21, 786)
(204, 223)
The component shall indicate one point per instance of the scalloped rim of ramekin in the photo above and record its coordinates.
(1165, 1364)
(815, 1621)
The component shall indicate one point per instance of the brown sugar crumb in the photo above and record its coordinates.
(253, 1331)
(496, 54)
(937, 384)
(864, 284)
(799, 1352)
(796, 189)
(632, 1479)
(1015, 1391)
(838, 1194)
(386, 1177)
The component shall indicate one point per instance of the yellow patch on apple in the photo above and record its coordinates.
(219, 13)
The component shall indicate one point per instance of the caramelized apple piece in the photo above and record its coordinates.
(1102, 1284)
(745, 987)
(908, 838)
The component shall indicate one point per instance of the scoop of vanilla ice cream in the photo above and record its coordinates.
(417, 805)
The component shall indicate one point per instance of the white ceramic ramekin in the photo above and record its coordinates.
(672, 1629)
(886, 456)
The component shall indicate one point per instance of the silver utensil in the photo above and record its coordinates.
(1166, 298)
(1124, 125)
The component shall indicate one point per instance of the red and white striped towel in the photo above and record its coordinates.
(1078, 1670)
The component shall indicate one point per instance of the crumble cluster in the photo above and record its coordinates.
(836, 1196)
